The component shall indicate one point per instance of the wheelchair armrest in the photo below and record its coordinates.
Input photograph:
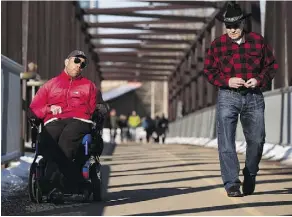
(87, 139)
(33, 119)
(93, 143)
(34, 122)
(34, 134)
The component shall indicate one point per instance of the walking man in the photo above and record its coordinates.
(241, 64)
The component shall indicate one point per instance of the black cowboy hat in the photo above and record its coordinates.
(233, 14)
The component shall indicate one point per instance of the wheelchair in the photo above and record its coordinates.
(39, 186)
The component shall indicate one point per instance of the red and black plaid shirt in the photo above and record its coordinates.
(253, 58)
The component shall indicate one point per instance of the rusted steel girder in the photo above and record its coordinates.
(137, 65)
(122, 10)
(137, 47)
(125, 55)
(143, 34)
(199, 4)
(134, 77)
(135, 72)
(278, 34)
(151, 61)
(138, 61)
(136, 37)
(145, 15)
(148, 28)
(134, 68)
(138, 23)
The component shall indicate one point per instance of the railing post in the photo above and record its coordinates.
(25, 24)
(194, 77)
(200, 66)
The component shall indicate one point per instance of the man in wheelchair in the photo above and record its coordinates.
(68, 105)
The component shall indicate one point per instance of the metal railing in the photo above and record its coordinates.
(278, 121)
(11, 141)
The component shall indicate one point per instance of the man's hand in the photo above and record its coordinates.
(251, 83)
(55, 109)
(236, 82)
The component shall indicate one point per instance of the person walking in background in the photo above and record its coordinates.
(133, 122)
(240, 63)
(149, 127)
(113, 125)
(143, 125)
(123, 125)
(163, 127)
(156, 129)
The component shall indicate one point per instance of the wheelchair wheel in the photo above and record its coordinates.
(95, 177)
(34, 190)
(31, 190)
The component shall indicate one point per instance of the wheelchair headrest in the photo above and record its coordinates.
(87, 138)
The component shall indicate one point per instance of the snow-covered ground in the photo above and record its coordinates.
(15, 177)
(272, 152)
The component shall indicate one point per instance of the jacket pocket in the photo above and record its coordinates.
(253, 60)
(77, 99)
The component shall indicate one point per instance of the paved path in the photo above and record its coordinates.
(153, 179)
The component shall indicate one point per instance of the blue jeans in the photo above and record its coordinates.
(251, 108)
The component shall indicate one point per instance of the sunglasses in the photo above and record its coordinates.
(233, 26)
(77, 61)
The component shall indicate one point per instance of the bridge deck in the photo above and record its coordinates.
(154, 179)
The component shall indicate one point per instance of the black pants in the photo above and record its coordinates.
(163, 135)
(61, 143)
(148, 134)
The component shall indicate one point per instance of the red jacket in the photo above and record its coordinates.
(77, 98)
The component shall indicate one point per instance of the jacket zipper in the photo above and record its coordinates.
(68, 92)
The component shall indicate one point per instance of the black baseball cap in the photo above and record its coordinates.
(77, 53)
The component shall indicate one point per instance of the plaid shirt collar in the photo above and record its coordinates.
(245, 38)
